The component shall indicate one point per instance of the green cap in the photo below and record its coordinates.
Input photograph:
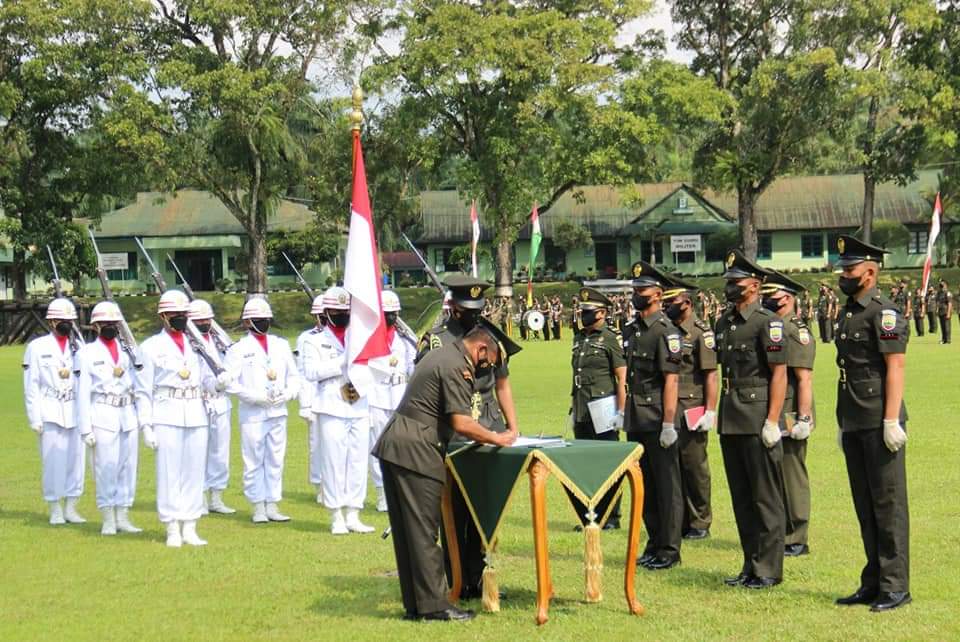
(593, 298)
(466, 291)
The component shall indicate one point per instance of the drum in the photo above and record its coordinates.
(534, 320)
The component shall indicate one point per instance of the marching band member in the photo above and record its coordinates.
(107, 418)
(307, 391)
(49, 390)
(264, 377)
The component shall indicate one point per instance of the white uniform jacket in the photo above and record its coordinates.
(218, 402)
(169, 387)
(324, 362)
(390, 386)
(49, 383)
(105, 390)
(263, 381)
(307, 389)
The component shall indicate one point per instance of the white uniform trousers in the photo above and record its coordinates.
(379, 417)
(345, 448)
(264, 446)
(181, 460)
(115, 467)
(62, 462)
(218, 453)
(314, 450)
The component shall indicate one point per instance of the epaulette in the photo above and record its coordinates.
(663, 321)
(700, 323)
(614, 331)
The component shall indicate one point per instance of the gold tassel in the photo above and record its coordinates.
(593, 561)
(491, 592)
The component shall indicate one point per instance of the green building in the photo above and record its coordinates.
(689, 230)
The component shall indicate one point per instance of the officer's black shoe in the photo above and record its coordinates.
(450, 614)
(411, 616)
(889, 601)
(662, 563)
(860, 596)
(761, 582)
(578, 528)
(696, 533)
(612, 525)
(739, 580)
(644, 559)
(796, 550)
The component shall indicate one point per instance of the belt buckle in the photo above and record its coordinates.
(726, 384)
(843, 375)
(576, 380)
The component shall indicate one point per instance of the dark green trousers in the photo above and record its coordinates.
(662, 496)
(694, 479)
(413, 503)
(796, 490)
(756, 488)
(878, 483)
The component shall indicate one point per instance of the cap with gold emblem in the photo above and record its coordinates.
(593, 298)
(676, 287)
(778, 281)
(646, 276)
(853, 251)
(466, 291)
(508, 347)
(739, 266)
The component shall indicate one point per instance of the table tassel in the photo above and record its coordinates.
(593, 562)
(491, 591)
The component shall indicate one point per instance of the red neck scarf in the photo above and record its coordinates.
(391, 333)
(112, 347)
(62, 341)
(262, 340)
(177, 338)
(339, 333)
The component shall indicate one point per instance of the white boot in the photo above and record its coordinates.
(260, 514)
(206, 505)
(174, 539)
(319, 493)
(354, 524)
(217, 505)
(381, 501)
(123, 521)
(190, 534)
(71, 514)
(109, 521)
(274, 514)
(337, 525)
(56, 513)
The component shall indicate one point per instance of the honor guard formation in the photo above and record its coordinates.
(666, 367)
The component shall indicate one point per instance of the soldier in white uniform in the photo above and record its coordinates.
(218, 412)
(263, 375)
(107, 418)
(170, 405)
(307, 391)
(390, 386)
(343, 418)
(49, 390)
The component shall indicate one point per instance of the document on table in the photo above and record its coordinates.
(603, 413)
(539, 442)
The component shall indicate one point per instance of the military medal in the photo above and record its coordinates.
(184, 373)
(64, 373)
(272, 374)
(117, 371)
(393, 361)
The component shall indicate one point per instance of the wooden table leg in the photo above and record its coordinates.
(633, 539)
(453, 546)
(538, 501)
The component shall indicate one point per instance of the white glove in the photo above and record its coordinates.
(261, 400)
(89, 439)
(37, 429)
(223, 380)
(893, 435)
(801, 430)
(617, 422)
(148, 437)
(705, 423)
(770, 433)
(668, 435)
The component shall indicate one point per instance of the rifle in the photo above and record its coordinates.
(76, 337)
(127, 343)
(302, 281)
(193, 335)
(426, 266)
(220, 336)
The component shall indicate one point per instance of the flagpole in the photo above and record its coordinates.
(356, 122)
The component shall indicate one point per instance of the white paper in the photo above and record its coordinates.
(603, 413)
(538, 442)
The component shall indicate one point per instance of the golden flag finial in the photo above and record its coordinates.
(356, 116)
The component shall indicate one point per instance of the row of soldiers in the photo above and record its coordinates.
(176, 390)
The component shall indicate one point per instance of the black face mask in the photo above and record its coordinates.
(674, 311)
(339, 320)
(772, 304)
(641, 301)
(483, 369)
(178, 323)
(63, 328)
(204, 327)
(849, 285)
(260, 326)
(588, 317)
(109, 332)
(391, 318)
(733, 292)
(467, 318)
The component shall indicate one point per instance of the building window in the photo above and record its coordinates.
(811, 245)
(130, 274)
(764, 245)
(647, 248)
(832, 246)
(685, 257)
(918, 241)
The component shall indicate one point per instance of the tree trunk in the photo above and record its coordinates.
(869, 179)
(257, 269)
(19, 273)
(503, 280)
(746, 200)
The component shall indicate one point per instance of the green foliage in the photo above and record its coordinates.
(890, 234)
(310, 245)
(461, 256)
(568, 236)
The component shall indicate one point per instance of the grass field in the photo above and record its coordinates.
(295, 581)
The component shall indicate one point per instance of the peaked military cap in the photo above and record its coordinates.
(593, 298)
(777, 281)
(853, 251)
(739, 266)
(508, 347)
(646, 275)
(466, 291)
(676, 287)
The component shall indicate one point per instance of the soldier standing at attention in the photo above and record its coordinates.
(945, 311)
(824, 322)
(919, 310)
(599, 370)
(871, 349)
(930, 302)
(698, 389)
(751, 342)
(780, 296)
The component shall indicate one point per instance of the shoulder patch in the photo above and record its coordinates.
(776, 331)
(804, 336)
(709, 340)
(888, 320)
(673, 343)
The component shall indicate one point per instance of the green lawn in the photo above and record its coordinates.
(295, 581)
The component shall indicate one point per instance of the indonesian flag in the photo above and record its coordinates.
(931, 240)
(366, 337)
(535, 238)
(475, 224)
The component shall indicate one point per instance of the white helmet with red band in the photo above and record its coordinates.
(105, 311)
(200, 309)
(257, 308)
(61, 309)
(336, 298)
(173, 301)
(390, 301)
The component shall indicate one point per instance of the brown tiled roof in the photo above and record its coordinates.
(402, 260)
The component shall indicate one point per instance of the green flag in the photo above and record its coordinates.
(535, 238)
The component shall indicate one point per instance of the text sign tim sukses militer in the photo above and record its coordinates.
(115, 261)
(685, 243)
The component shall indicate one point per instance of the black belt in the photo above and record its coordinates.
(744, 382)
(869, 373)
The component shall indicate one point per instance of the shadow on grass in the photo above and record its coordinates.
(357, 597)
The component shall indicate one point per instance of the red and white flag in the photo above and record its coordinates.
(931, 241)
(366, 338)
(475, 225)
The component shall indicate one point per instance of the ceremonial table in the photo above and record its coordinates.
(591, 471)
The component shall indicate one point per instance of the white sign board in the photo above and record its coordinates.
(685, 243)
(115, 261)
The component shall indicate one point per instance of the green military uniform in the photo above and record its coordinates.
(870, 328)
(930, 298)
(750, 341)
(917, 305)
(900, 300)
(597, 353)
(824, 320)
(944, 301)
(411, 451)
